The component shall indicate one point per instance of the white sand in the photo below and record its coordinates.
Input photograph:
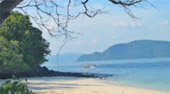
(68, 85)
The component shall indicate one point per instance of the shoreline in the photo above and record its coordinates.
(45, 72)
(129, 85)
(74, 85)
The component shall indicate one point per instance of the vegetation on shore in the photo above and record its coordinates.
(15, 86)
(22, 46)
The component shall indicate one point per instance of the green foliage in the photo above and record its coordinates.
(15, 87)
(11, 60)
(21, 45)
(35, 46)
(14, 26)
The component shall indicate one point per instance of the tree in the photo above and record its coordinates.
(34, 46)
(60, 12)
(11, 60)
(14, 26)
(30, 48)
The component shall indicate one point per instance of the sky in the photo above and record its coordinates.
(105, 30)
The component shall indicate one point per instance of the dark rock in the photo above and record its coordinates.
(44, 71)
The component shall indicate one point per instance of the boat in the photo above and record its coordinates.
(94, 65)
(85, 67)
(89, 66)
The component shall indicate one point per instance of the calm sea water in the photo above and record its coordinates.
(146, 73)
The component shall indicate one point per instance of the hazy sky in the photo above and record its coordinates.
(105, 30)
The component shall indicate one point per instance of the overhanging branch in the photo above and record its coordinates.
(6, 6)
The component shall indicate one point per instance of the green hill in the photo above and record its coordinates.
(132, 50)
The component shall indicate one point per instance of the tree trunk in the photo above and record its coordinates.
(5, 7)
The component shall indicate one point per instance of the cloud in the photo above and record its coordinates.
(132, 24)
(75, 43)
(119, 24)
(135, 24)
(166, 23)
(114, 36)
(79, 42)
(51, 26)
(95, 41)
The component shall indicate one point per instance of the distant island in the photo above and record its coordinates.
(133, 50)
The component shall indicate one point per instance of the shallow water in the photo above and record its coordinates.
(146, 73)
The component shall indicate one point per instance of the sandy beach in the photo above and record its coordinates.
(71, 85)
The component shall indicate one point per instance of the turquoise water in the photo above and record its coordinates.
(146, 73)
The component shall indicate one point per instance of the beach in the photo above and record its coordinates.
(73, 85)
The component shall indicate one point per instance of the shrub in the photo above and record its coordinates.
(15, 87)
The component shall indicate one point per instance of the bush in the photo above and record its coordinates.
(15, 87)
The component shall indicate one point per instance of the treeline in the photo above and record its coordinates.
(22, 46)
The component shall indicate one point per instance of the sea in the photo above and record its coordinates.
(144, 73)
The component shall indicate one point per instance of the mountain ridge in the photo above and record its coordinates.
(137, 49)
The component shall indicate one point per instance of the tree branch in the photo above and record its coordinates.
(6, 6)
